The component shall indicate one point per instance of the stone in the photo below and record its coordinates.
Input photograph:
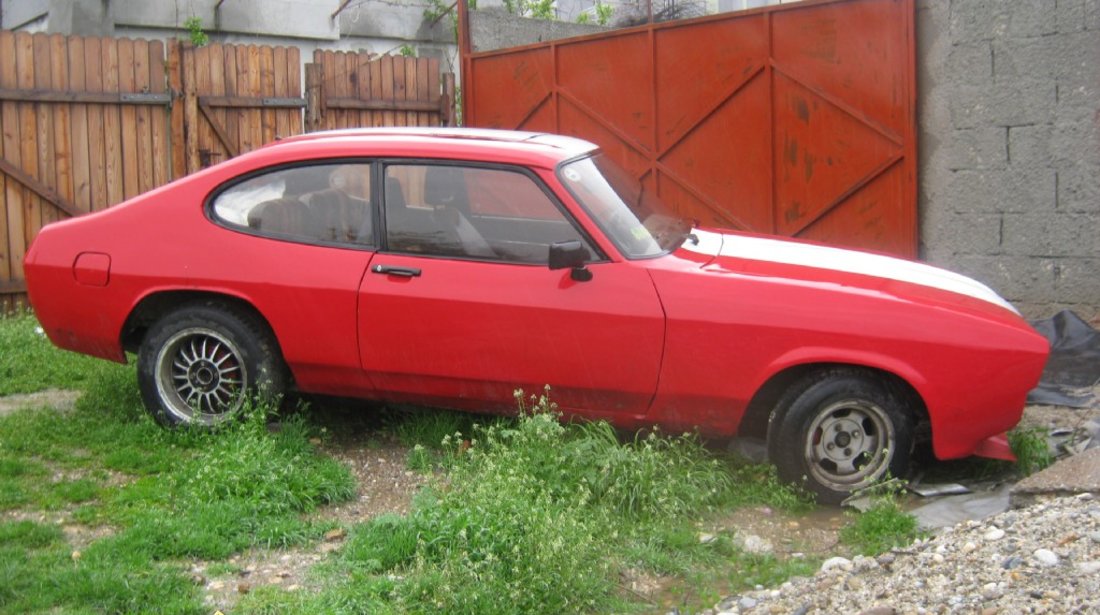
(1088, 568)
(994, 534)
(1045, 557)
(842, 563)
(747, 603)
(879, 610)
(336, 534)
(757, 545)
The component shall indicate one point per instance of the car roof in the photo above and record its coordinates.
(558, 146)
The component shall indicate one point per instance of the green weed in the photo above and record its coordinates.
(1031, 449)
(882, 527)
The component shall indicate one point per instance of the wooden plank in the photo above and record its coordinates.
(112, 126)
(376, 89)
(423, 90)
(401, 107)
(207, 58)
(411, 89)
(189, 60)
(78, 137)
(75, 96)
(11, 216)
(255, 115)
(279, 86)
(339, 86)
(253, 102)
(42, 191)
(47, 159)
(97, 149)
(13, 287)
(129, 120)
(434, 95)
(294, 88)
(143, 132)
(362, 85)
(62, 137)
(28, 146)
(244, 116)
(328, 88)
(176, 137)
(232, 123)
(351, 60)
(400, 88)
(387, 87)
(159, 117)
(228, 143)
(267, 88)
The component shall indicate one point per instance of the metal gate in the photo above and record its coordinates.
(795, 120)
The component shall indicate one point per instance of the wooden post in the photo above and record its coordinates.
(465, 62)
(315, 97)
(448, 115)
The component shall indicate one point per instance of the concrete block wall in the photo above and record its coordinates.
(1009, 140)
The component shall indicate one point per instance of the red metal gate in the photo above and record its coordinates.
(795, 120)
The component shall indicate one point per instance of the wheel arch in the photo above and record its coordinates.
(754, 423)
(155, 305)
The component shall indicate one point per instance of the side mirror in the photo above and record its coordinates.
(570, 255)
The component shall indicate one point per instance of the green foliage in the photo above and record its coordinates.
(537, 9)
(883, 526)
(407, 51)
(29, 363)
(1031, 449)
(195, 32)
(603, 13)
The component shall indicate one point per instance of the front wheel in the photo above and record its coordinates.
(839, 431)
(199, 364)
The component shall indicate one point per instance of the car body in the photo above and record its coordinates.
(347, 266)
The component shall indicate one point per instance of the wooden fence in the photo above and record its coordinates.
(86, 123)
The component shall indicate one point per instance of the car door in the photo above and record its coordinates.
(461, 309)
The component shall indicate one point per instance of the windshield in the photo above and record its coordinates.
(636, 221)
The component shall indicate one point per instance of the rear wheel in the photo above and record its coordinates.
(838, 431)
(199, 364)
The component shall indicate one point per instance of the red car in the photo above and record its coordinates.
(451, 267)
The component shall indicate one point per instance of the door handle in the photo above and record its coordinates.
(404, 272)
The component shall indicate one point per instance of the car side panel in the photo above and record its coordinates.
(755, 326)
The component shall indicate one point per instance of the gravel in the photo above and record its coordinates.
(1041, 559)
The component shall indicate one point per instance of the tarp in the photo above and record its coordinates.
(1073, 370)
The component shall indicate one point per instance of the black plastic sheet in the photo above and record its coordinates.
(1073, 370)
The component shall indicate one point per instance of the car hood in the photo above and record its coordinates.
(752, 248)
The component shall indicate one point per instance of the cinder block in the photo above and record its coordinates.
(1031, 18)
(1047, 235)
(970, 62)
(1030, 145)
(978, 20)
(1003, 104)
(1067, 56)
(1079, 188)
(1016, 278)
(976, 148)
(954, 233)
(1013, 190)
(1071, 142)
(1071, 15)
(1078, 281)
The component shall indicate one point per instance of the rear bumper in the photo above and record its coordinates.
(995, 447)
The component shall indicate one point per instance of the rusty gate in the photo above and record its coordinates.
(795, 120)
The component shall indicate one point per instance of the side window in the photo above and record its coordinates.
(472, 212)
(324, 203)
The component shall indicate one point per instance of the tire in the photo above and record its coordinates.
(870, 426)
(200, 363)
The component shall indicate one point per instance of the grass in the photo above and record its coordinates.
(1031, 450)
(522, 516)
(29, 364)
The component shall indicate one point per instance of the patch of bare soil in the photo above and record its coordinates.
(383, 485)
(59, 399)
